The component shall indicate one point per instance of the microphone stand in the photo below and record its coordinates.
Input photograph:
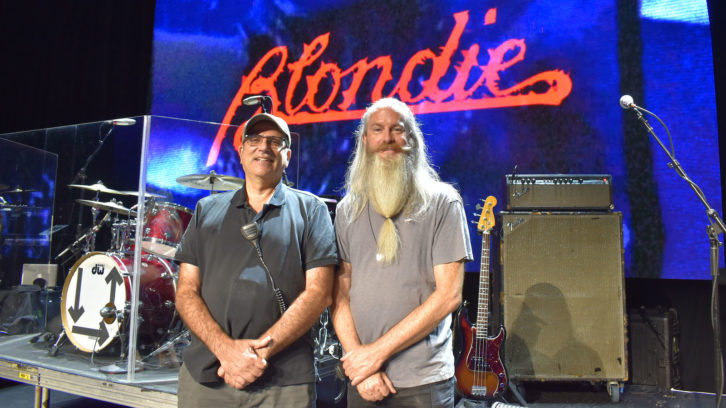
(91, 232)
(81, 175)
(713, 230)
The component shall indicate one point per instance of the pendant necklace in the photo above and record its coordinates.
(379, 256)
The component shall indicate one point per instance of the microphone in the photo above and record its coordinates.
(253, 100)
(122, 122)
(626, 102)
(251, 232)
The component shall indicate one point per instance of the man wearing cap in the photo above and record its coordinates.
(244, 351)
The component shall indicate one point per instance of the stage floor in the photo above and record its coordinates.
(632, 397)
(21, 395)
(100, 376)
(161, 382)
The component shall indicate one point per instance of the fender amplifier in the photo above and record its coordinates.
(559, 192)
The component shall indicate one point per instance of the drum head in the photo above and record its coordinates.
(92, 293)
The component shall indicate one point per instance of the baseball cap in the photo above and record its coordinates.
(266, 117)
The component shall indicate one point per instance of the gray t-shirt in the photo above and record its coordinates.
(297, 235)
(382, 295)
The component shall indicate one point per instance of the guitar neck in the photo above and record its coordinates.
(482, 314)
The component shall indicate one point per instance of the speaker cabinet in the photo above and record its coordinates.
(563, 297)
(654, 348)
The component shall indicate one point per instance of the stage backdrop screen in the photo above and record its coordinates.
(498, 86)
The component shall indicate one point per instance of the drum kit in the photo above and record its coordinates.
(96, 297)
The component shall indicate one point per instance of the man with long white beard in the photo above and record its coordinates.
(403, 241)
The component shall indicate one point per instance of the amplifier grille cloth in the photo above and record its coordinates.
(563, 297)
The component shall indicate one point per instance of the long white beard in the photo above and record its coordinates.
(388, 190)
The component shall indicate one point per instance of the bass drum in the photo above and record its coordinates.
(96, 299)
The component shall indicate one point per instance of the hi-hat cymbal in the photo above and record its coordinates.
(211, 181)
(96, 187)
(108, 206)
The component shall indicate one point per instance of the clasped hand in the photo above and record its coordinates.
(362, 365)
(243, 361)
(376, 387)
(361, 362)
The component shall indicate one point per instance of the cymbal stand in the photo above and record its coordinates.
(181, 337)
(119, 230)
(211, 181)
(90, 243)
(89, 234)
(60, 341)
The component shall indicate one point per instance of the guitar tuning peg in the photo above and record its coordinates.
(474, 222)
(477, 214)
(478, 207)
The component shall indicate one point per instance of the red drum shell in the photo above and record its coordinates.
(163, 228)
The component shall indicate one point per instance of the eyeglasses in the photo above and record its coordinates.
(275, 142)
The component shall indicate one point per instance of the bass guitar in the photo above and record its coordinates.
(480, 373)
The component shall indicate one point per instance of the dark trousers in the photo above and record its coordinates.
(191, 394)
(439, 395)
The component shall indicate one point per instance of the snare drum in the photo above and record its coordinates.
(164, 226)
(96, 299)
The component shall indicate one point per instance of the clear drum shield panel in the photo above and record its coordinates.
(28, 292)
(92, 239)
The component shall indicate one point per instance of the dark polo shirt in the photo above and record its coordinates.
(297, 235)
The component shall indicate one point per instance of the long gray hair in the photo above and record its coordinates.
(425, 180)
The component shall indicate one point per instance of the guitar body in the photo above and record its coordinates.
(480, 373)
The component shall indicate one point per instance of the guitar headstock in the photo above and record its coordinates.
(486, 217)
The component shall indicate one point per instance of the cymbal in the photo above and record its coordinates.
(211, 181)
(19, 190)
(136, 193)
(108, 206)
(96, 187)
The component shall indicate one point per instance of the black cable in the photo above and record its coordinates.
(716, 313)
(251, 232)
(715, 316)
(668, 132)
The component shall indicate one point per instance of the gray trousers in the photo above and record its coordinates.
(435, 395)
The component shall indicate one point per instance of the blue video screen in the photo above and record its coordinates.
(495, 84)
